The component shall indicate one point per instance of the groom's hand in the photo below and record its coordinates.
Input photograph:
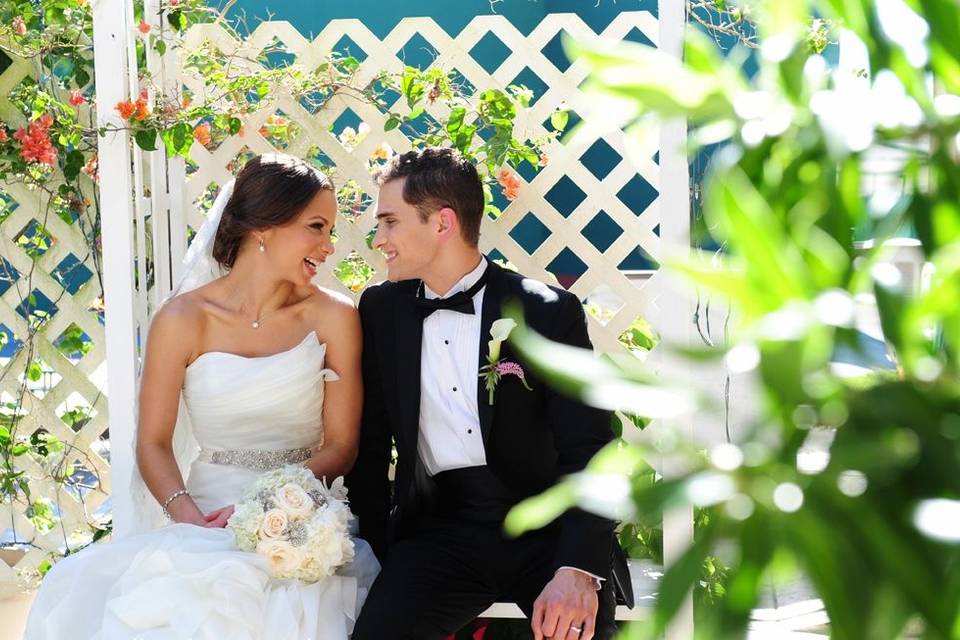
(566, 604)
(218, 519)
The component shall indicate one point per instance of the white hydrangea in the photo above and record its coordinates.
(310, 539)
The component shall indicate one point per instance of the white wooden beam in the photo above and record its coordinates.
(167, 175)
(111, 33)
(676, 305)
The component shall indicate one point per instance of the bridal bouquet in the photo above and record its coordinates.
(297, 522)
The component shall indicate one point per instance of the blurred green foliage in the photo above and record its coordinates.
(851, 483)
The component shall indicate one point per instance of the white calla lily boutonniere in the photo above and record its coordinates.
(495, 367)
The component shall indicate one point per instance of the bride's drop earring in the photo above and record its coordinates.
(262, 248)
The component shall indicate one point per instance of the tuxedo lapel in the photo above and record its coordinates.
(492, 307)
(409, 327)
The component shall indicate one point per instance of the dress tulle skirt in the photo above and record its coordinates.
(186, 582)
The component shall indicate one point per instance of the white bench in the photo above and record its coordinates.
(643, 574)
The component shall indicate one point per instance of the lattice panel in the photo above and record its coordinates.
(46, 265)
(578, 219)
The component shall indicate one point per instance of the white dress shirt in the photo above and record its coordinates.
(450, 435)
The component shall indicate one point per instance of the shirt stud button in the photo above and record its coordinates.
(469, 430)
(454, 388)
(446, 342)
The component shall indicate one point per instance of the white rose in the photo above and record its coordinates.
(294, 501)
(274, 523)
(281, 555)
(499, 331)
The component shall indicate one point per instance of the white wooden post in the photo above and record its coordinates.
(167, 175)
(675, 305)
(111, 33)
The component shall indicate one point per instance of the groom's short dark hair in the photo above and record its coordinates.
(438, 177)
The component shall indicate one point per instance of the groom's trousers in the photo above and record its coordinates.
(458, 562)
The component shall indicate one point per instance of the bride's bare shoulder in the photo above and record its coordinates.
(329, 301)
(185, 308)
(193, 307)
(330, 309)
(178, 323)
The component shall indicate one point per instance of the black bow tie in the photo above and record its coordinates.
(461, 302)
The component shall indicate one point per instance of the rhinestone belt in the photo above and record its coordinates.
(256, 459)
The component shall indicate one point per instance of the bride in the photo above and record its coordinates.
(234, 383)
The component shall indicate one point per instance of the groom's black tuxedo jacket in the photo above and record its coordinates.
(531, 438)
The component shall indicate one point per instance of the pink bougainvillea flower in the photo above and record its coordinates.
(19, 26)
(510, 183)
(90, 168)
(35, 144)
(126, 109)
(76, 98)
(142, 111)
(202, 134)
(144, 27)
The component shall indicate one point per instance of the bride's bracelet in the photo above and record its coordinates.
(173, 496)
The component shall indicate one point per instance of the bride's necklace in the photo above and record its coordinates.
(256, 322)
(259, 319)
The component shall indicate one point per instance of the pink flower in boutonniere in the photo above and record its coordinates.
(505, 368)
(495, 367)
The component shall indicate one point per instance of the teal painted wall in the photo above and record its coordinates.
(380, 17)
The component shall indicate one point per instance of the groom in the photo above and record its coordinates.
(462, 461)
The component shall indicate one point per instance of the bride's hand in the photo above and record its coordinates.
(184, 511)
(218, 519)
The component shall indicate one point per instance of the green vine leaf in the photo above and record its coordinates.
(34, 371)
(74, 164)
(416, 113)
(178, 139)
(464, 139)
(147, 139)
(559, 119)
(177, 20)
(455, 121)
(44, 567)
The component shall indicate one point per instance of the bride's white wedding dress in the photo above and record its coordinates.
(183, 581)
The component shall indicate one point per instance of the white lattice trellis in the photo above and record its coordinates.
(638, 227)
(48, 266)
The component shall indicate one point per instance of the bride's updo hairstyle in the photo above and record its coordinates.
(271, 190)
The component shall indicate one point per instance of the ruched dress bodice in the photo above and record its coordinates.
(257, 404)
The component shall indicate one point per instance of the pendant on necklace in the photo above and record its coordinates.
(255, 324)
